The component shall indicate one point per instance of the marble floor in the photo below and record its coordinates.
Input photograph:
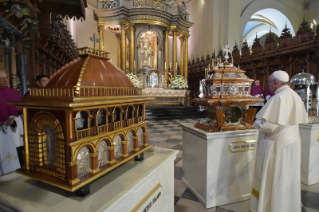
(168, 134)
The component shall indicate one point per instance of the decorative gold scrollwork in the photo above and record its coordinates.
(150, 3)
(109, 4)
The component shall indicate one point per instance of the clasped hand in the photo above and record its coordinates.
(10, 121)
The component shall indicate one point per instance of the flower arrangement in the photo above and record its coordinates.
(135, 80)
(179, 82)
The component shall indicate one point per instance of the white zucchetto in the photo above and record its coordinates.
(281, 76)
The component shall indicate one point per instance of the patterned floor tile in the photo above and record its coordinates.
(310, 199)
(310, 210)
(177, 160)
(179, 188)
(169, 134)
(178, 172)
(236, 207)
(189, 195)
(186, 205)
(179, 164)
(178, 147)
(218, 209)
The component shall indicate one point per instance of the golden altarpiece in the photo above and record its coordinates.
(145, 31)
(87, 121)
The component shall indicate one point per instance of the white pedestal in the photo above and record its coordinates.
(134, 186)
(309, 153)
(216, 169)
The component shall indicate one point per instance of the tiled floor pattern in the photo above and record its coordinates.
(168, 134)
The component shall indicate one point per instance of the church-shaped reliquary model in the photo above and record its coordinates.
(88, 120)
(225, 95)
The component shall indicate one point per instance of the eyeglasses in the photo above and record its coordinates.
(4, 78)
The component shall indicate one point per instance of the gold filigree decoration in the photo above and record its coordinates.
(150, 3)
(38, 146)
(8, 157)
(110, 4)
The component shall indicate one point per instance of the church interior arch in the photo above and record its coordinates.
(263, 21)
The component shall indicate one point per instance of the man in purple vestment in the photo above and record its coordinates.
(7, 94)
(268, 93)
(257, 91)
(8, 121)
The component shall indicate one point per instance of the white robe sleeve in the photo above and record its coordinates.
(265, 126)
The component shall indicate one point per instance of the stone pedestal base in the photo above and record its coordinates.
(135, 186)
(218, 167)
(309, 134)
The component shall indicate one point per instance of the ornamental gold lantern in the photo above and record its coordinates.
(88, 120)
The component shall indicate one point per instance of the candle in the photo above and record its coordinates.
(176, 65)
(134, 64)
(170, 66)
(165, 65)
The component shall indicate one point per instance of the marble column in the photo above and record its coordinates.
(132, 48)
(118, 38)
(166, 58)
(186, 58)
(174, 53)
(101, 35)
(182, 56)
(123, 48)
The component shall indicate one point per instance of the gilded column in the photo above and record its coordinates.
(124, 148)
(132, 48)
(95, 162)
(13, 63)
(166, 57)
(186, 58)
(101, 35)
(123, 48)
(136, 148)
(182, 55)
(145, 139)
(174, 53)
(111, 154)
(118, 38)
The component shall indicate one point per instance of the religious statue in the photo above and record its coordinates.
(146, 53)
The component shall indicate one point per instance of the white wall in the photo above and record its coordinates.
(84, 30)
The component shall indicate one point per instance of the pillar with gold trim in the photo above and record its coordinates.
(123, 47)
(118, 38)
(186, 57)
(166, 57)
(182, 55)
(101, 35)
(174, 52)
(132, 49)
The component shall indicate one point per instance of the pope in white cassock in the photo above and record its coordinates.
(276, 184)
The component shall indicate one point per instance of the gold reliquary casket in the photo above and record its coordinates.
(225, 95)
(88, 120)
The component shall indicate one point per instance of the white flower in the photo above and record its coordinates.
(179, 82)
(135, 80)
